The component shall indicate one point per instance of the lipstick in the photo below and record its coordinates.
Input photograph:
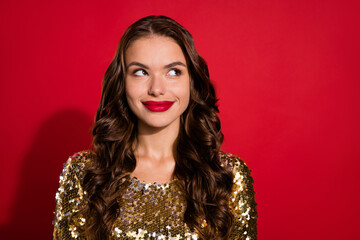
(158, 106)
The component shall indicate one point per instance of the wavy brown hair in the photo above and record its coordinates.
(207, 185)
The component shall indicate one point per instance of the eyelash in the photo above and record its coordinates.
(177, 72)
(137, 70)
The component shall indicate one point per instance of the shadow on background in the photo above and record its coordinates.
(63, 134)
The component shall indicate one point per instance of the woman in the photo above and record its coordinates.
(156, 170)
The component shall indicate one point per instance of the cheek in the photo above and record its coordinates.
(132, 92)
(132, 99)
(185, 95)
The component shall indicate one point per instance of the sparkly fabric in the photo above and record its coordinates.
(151, 210)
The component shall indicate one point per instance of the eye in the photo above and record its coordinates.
(139, 72)
(174, 72)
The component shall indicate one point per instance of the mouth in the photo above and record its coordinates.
(158, 106)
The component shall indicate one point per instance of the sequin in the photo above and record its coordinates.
(151, 210)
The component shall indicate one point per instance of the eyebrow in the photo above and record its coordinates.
(137, 64)
(175, 64)
(166, 66)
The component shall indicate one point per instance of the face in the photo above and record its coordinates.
(157, 81)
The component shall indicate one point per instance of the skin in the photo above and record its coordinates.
(156, 71)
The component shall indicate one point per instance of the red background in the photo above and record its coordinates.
(286, 72)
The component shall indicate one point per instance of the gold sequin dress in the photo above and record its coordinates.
(151, 210)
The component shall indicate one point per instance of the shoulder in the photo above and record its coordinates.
(75, 165)
(235, 163)
(70, 181)
(243, 181)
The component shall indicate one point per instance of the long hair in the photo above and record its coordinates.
(207, 185)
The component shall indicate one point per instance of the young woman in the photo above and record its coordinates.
(156, 170)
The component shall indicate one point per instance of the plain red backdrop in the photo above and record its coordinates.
(286, 73)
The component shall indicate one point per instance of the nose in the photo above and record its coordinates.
(157, 86)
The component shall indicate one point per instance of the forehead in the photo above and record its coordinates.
(154, 50)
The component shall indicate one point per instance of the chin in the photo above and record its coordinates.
(159, 123)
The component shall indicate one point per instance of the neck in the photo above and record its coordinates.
(156, 143)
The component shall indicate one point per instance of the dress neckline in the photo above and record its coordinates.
(142, 183)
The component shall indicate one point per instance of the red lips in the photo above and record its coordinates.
(158, 106)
